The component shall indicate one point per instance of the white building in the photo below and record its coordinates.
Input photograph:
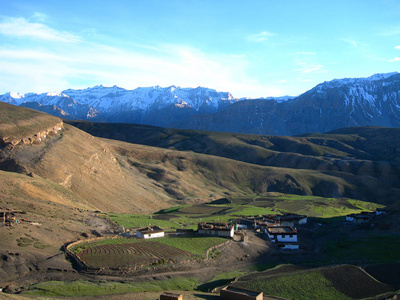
(362, 217)
(150, 232)
(282, 234)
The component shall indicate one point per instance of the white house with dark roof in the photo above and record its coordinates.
(282, 234)
(150, 232)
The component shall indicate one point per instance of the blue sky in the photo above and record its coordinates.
(249, 48)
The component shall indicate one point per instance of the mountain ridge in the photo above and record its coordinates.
(334, 104)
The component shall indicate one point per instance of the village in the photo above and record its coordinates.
(279, 229)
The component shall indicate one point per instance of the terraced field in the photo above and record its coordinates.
(131, 254)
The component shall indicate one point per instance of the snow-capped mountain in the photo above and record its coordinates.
(148, 105)
(107, 99)
(330, 105)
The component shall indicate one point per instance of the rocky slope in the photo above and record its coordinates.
(328, 106)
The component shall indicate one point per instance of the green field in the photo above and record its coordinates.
(338, 282)
(196, 245)
(82, 288)
(139, 221)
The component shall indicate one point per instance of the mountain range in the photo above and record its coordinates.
(330, 105)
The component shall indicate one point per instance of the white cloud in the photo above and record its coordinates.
(20, 27)
(394, 59)
(87, 64)
(260, 37)
(397, 47)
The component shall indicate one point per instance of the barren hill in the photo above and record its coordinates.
(366, 159)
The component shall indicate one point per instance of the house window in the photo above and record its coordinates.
(291, 235)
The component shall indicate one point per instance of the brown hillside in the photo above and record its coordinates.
(18, 125)
(352, 157)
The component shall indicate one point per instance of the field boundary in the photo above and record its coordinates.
(125, 270)
(75, 257)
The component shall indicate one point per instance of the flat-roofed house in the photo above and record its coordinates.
(236, 293)
(217, 228)
(359, 218)
(282, 234)
(292, 219)
(280, 220)
(150, 232)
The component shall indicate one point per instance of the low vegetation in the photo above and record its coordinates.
(340, 282)
(370, 249)
(82, 288)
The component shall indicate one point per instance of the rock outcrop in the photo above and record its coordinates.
(31, 139)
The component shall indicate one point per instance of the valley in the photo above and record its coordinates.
(88, 180)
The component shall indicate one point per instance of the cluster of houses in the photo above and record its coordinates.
(280, 229)
(365, 216)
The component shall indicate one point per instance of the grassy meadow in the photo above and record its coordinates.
(83, 288)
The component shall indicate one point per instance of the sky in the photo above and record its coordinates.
(248, 48)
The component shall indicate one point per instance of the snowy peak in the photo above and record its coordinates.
(144, 98)
(358, 81)
(43, 98)
(382, 76)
